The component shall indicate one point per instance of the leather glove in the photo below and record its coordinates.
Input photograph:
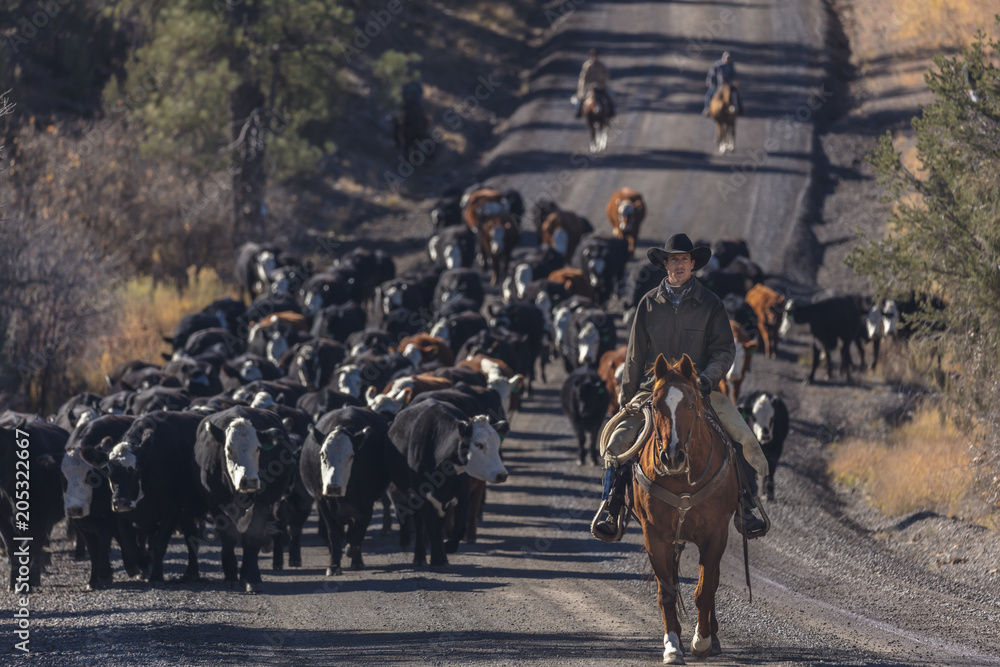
(704, 385)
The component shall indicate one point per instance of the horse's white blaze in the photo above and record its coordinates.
(496, 239)
(484, 455)
(76, 499)
(674, 397)
(336, 457)
(699, 643)
(762, 412)
(452, 256)
(589, 340)
(242, 452)
(560, 241)
(672, 647)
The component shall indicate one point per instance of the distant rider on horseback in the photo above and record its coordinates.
(722, 71)
(680, 316)
(593, 76)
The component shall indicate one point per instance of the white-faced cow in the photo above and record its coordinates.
(438, 449)
(830, 320)
(767, 416)
(244, 459)
(343, 468)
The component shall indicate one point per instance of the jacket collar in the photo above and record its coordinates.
(697, 292)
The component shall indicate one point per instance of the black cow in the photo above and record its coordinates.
(87, 499)
(767, 416)
(447, 211)
(726, 282)
(144, 378)
(603, 260)
(435, 445)
(525, 319)
(188, 325)
(157, 398)
(338, 322)
(113, 379)
(247, 368)
(149, 470)
(283, 390)
(30, 451)
(198, 377)
(461, 374)
(590, 333)
(343, 468)
(215, 339)
(453, 247)
(413, 290)
(527, 266)
(376, 341)
(493, 344)
(85, 406)
(457, 329)
(830, 320)
(372, 268)
(332, 287)
(261, 309)
(254, 264)
(116, 403)
(313, 363)
(456, 284)
(727, 250)
(585, 401)
(244, 459)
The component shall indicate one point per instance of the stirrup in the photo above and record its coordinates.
(741, 519)
(620, 522)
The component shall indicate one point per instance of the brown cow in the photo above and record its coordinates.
(745, 347)
(482, 204)
(498, 235)
(562, 231)
(574, 281)
(609, 368)
(297, 321)
(626, 210)
(768, 306)
(431, 348)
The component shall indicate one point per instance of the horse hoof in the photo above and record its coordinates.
(253, 588)
(675, 659)
(334, 571)
(716, 647)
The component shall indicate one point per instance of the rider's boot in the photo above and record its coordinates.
(752, 526)
(610, 521)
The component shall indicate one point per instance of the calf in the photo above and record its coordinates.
(87, 499)
(243, 458)
(439, 450)
(603, 261)
(626, 210)
(342, 467)
(29, 448)
(745, 347)
(767, 305)
(830, 320)
(149, 470)
(585, 400)
(767, 416)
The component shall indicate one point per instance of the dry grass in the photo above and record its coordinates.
(147, 312)
(924, 464)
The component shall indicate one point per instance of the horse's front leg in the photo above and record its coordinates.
(661, 557)
(706, 633)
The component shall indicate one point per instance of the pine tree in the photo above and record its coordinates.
(243, 87)
(943, 232)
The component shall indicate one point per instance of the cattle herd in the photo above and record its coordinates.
(353, 384)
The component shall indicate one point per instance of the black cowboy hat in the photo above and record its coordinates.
(678, 244)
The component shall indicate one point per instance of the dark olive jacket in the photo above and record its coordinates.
(698, 327)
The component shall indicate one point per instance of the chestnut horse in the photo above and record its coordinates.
(685, 490)
(722, 109)
(597, 111)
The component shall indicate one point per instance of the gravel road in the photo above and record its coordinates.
(828, 588)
